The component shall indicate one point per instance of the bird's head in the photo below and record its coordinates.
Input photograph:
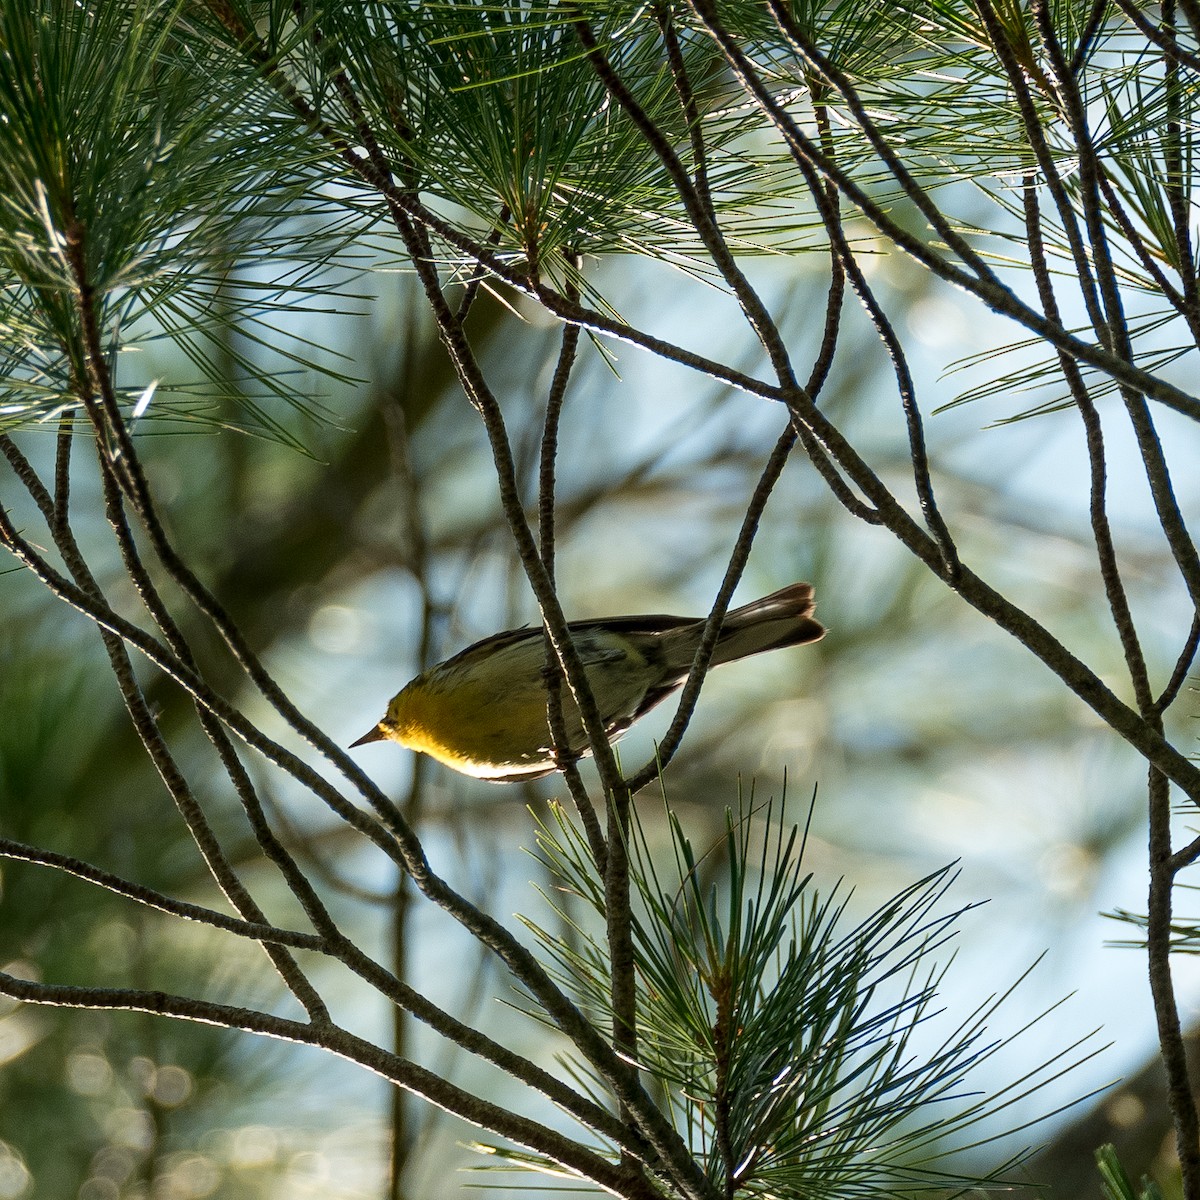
(403, 720)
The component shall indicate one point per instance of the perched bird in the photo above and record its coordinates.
(483, 712)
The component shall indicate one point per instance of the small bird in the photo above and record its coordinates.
(483, 712)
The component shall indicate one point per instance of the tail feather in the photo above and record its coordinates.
(784, 618)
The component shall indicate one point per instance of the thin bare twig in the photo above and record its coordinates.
(479, 271)
(1087, 39)
(258, 931)
(1146, 258)
(1035, 133)
(1191, 10)
(1110, 573)
(705, 224)
(825, 68)
(906, 388)
(835, 298)
(690, 694)
(547, 462)
(1183, 666)
(689, 106)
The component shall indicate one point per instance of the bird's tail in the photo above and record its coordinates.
(784, 618)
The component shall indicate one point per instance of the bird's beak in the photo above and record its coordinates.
(377, 733)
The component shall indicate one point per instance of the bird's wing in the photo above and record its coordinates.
(489, 645)
(651, 623)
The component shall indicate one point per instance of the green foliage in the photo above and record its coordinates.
(195, 163)
(496, 110)
(137, 166)
(795, 1041)
(1185, 930)
(1117, 1184)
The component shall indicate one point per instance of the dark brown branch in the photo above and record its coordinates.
(918, 452)
(573, 1156)
(834, 301)
(58, 517)
(1035, 134)
(1149, 263)
(1191, 10)
(478, 271)
(485, 403)
(825, 197)
(618, 923)
(825, 68)
(1166, 1011)
(700, 198)
(721, 987)
(702, 220)
(687, 103)
(1185, 856)
(996, 297)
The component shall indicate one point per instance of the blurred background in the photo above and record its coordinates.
(377, 546)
